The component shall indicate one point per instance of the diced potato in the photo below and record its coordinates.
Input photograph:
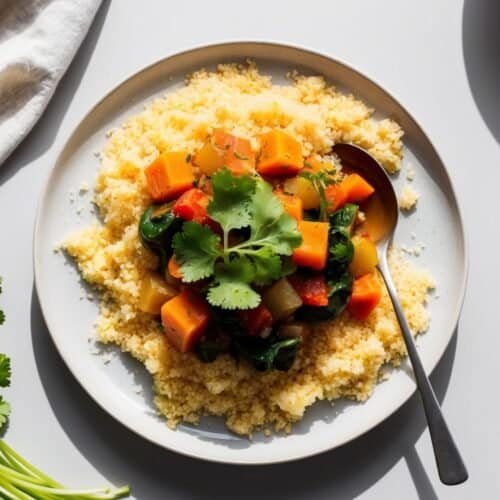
(209, 159)
(281, 299)
(302, 188)
(365, 258)
(154, 293)
(294, 330)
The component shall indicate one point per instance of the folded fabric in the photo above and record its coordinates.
(38, 40)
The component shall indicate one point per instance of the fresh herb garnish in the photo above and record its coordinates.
(238, 202)
(4, 370)
(19, 480)
(320, 180)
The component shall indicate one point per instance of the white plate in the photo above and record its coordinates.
(437, 222)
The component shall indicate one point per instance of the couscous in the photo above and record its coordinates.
(176, 164)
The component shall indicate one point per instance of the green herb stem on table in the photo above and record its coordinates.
(19, 480)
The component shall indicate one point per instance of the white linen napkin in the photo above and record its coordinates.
(38, 40)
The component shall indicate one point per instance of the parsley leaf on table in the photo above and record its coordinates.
(4, 411)
(4, 370)
(197, 248)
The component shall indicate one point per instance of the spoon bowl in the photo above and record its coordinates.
(450, 465)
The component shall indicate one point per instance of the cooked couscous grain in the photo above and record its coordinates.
(408, 198)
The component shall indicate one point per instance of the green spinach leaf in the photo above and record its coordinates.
(157, 227)
(266, 354)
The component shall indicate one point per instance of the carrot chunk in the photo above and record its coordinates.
(357, 188)
(256, 320)
(352, 189)
(281, 155)
(184, 319)
(173, 268)
(313, 251)
(291, 204)
(366, 294)
(169, 176)
(336, 196)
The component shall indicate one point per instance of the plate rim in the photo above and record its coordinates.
(45, 192)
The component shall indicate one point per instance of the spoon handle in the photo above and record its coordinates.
(450, 465)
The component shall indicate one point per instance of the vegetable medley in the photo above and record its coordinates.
(254, 247)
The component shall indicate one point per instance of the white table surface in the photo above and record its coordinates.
(442, 60)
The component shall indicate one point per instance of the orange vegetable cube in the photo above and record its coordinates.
(313, 251)
(336, 196)
(184, 319)
(357, 188)
(237, 152)
(291, 204)
(366, 294)
(281, 155)
(169, 176)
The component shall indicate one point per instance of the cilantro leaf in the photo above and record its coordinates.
(267, 266)
(4, 370)
(231, 197)
(232, 288)
(238, 202)
(4, 411)
(196, 248)
(270, 225)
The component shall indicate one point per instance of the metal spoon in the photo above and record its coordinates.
(450, 465)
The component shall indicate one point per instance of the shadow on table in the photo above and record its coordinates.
(121, 456)
(45, 131)
(481, 49)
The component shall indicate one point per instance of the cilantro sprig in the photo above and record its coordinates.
(320, 181)
(238, 203)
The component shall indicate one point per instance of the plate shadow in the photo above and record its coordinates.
(123, 457)
(481, 50)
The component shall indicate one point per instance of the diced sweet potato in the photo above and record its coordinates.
(184, 319)
(169, 176)
(366, 294)
(313, 251)
(280, 155)
(291, 204)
